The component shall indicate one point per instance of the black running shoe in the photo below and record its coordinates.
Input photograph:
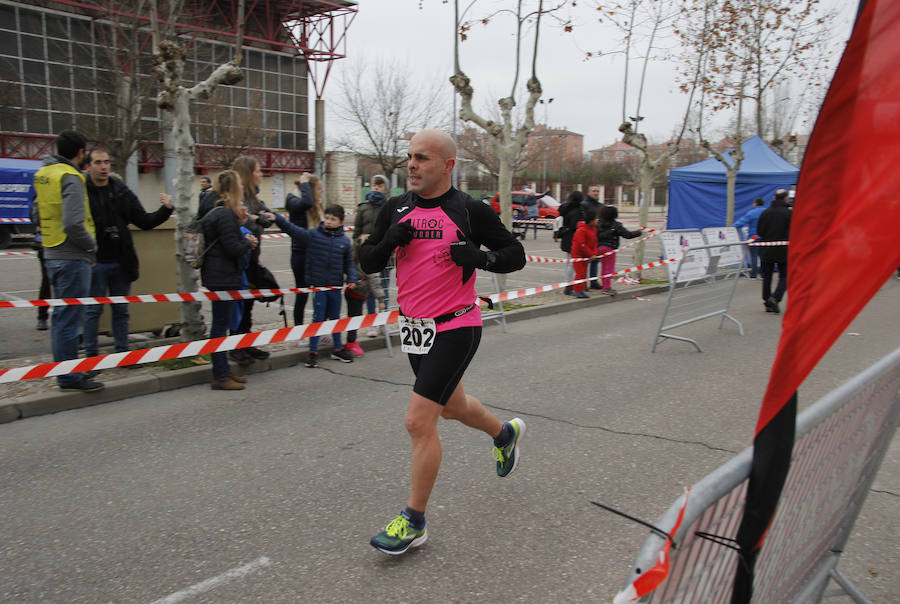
(343, 355)
(256, 353)
(85, 385)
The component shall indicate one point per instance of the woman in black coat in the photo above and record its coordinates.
(222, 267)
(250, 173)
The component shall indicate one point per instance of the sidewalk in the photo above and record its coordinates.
(43, 397)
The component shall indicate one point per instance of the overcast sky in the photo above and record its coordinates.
(587, 94)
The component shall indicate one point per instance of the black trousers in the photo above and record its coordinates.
(767, 268)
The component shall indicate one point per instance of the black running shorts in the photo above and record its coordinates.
(439, 371)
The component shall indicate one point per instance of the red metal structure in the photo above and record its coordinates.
(315, 30)
(150, 154)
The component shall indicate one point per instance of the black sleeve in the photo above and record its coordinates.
(260, 220)
(229, 234)
(136, 213)
(621, 231)
(374, 253)
(487, 230)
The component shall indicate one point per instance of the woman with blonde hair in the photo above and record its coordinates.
(247, 167)
(306, 211)
(222, 267)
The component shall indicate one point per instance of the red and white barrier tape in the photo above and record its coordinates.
(189, 349)
(530, 291)
(260, 338)
(768, 243)
(534, 220)
(240, 294)
(26, 253)
(15, 220)
(542, 259)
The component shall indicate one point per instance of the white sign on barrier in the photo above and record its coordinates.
(694, 264)
(728, 256)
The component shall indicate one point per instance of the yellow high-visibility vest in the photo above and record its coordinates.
(48, 184)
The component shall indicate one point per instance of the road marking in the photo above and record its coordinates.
(210, 584)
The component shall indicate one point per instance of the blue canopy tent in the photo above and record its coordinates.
(698, 192)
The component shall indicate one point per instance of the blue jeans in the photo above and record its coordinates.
(69, 279)
(594, 265)
(221, 315)
(754, 261)
(107, 276)
(326, 305)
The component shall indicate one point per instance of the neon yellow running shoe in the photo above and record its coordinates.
(398, 537)
(508, 457)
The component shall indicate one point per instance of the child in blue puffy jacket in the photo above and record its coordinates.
(329, 262)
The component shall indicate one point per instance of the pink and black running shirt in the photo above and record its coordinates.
(429, 283)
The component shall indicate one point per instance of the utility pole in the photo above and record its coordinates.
(544, 138)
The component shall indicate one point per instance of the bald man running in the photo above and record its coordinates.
(437, 233)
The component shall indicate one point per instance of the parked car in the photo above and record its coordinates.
(547, 206)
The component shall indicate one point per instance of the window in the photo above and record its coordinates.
(33, 47)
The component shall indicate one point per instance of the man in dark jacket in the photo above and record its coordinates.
(592, 202)
(572, 212)
(774, 225)
(114, 206)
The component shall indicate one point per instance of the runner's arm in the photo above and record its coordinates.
(508, 253)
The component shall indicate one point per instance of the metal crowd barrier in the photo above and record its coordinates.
(497, 314)
(841, 441)
(704, 297)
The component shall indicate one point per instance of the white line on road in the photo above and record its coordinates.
(209, 584)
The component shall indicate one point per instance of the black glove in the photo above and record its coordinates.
(466, 254)
(399, 234)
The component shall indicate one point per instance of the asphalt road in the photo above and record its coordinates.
(271, 494)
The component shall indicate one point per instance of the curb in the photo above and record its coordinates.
(53, 402)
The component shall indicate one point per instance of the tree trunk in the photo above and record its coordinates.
(192, 327)
(646, 184)
(505, 187)
(730, 179)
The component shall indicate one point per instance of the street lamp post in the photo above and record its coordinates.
(544, 138)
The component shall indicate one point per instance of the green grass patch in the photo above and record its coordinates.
(653, 282)
(508, 306)
(183, 363)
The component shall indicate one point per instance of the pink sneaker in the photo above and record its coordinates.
(355, 348)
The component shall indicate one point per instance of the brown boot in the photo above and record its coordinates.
(226, 383)
(238, 378)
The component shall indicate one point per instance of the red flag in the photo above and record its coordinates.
(843, 247)
(847, 210)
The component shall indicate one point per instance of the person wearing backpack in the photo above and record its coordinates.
(222, 268)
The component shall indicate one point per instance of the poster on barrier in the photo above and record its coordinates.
(694, 264)
(728, 256)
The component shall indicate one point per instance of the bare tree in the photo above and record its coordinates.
(507, 137)
(175, 98)
(753, 47)
(383, 106)
(645, 22)
(124, 41)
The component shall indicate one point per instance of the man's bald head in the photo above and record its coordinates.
(438, 140)
(432, 155)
